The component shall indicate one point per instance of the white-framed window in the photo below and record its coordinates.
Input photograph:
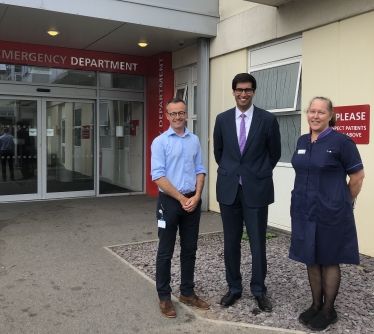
(181, 92)
(280, 85)
(185, 87)
(277, 68)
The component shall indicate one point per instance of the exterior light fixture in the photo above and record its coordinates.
(53, 32)
(142, 44)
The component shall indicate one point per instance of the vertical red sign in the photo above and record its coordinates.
(354, 121)
(160, 89)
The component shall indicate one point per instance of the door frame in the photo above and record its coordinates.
(41, 144)
(68, 194)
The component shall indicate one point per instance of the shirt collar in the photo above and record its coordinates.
(248, 113)
(322, 134)
(170, 132)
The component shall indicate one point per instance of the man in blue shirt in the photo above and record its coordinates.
(178, 170)
(7, 153)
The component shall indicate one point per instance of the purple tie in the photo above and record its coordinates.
(242, 138)
(242, 134)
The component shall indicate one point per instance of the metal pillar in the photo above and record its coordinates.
(203, 107)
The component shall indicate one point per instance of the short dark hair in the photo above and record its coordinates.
(330, 107)
(244, 77)
(176, 100)
(6, 130)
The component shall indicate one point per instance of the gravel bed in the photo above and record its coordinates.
(287, 283)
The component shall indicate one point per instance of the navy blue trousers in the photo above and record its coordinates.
(255, 220)
(188, 224)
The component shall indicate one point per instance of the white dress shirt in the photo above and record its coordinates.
(247, 120)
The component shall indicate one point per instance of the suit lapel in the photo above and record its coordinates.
(256, 121)
(232, 129)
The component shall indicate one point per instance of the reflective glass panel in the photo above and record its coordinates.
(276, 87)
(18, 147)
(70, 146)
(195, 100)
(123, 81)
(121, 146)
(289, 127)
(47, 75)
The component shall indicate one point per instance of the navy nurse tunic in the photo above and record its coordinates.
(323, 225)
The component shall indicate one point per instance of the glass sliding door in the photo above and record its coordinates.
(18, 147)
(69, 134)
(121, 142)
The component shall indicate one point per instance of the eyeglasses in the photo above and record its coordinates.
(179, 113)
(245, 90)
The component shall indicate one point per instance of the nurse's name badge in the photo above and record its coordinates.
(301, 151)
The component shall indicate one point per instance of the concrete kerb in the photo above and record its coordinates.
(188, 308)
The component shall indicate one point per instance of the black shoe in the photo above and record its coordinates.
(306, 316)
(321, 322)
(264, 303)
(229, 299)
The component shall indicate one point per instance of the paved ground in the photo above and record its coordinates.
(56, 276)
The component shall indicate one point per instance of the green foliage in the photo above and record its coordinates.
(268, 236)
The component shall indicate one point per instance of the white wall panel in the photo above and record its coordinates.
(178, 15)
(276, 52)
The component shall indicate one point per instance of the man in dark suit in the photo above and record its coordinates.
(246, 148)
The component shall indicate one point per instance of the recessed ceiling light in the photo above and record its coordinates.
(53, 32)
(142, 44)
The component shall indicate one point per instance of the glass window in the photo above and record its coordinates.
(18, 118)
(289, 126)
(277, 87)
(123, 81)
(47, 75)
(77, 124)
(70, 150)
(121, 147)
(194, 99)
(181, 93)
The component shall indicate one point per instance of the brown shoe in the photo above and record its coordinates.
(194, 301)
(167, 308)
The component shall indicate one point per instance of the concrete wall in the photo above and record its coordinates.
(338, 63)
(229, 8)
(257, 24)
(186, 56)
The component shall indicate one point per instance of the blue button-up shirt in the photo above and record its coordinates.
(6, 142)
(179, 159)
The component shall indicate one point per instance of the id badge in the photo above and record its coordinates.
(161, 223)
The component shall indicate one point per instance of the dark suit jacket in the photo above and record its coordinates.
(261, 153)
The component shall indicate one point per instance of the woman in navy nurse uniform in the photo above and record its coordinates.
(323, 226)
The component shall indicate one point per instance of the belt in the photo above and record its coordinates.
(189, 195)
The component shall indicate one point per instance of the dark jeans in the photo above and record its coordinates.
(7, 155)
(188, 224)
(255, 220)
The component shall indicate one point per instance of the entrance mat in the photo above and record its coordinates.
(287, 283)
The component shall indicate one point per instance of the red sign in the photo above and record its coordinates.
(86, 132)
(160, 89)
(354, 121)
(40, 55)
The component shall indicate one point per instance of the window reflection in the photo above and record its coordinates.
(47, 75)
(121, 146)
(18, 150)
(70, 146)
(122, 81)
